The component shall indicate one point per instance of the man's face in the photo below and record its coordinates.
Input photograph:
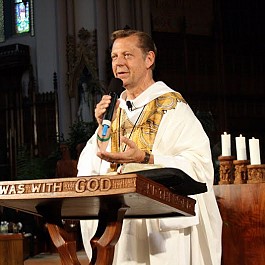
(129, 63)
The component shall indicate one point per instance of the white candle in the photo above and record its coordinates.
(254, 151)
(241, 151)
(226, 144)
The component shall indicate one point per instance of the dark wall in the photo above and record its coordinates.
(221, 74)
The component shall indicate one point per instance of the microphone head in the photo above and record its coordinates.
(116, 86)
(129, 105)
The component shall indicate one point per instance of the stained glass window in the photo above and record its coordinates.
(22, 16)
(16, 17)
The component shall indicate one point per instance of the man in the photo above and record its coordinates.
(159, 129)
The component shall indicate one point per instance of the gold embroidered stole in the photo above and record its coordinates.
(144, 132)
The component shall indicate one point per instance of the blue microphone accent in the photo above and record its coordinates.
(105, 129)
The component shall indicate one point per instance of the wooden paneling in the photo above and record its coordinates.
(11, 249)
(242, 208)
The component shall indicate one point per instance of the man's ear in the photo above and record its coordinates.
(150, 59)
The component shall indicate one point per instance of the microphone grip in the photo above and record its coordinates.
(109, 113)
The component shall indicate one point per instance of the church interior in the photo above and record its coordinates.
(55, 66)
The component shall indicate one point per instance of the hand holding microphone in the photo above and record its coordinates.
(114, 89)
(109, 113)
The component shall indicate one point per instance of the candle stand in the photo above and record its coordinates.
(226, 169)
(241, 171)
(256, 173)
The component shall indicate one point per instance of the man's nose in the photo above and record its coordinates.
(120, 60)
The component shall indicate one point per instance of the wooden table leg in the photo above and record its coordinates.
(103, 243)
(66, 249)
(107, 235)
(110, 216)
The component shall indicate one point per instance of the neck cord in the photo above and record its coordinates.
(132, 128)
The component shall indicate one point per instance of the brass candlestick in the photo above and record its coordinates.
(241, 172)
(226, 169)
(256, 173)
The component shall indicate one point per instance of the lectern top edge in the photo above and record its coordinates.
(90, 189)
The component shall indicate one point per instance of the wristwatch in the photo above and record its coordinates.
(146, 158)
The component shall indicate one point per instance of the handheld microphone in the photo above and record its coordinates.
(114, 89)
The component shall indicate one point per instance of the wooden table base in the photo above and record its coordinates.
(103, 242)
(107, 235)
(105, 198)
(66, 249)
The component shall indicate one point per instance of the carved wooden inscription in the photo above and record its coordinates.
(94, 186)
(72, 185)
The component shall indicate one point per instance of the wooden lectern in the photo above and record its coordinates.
(109, 198)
